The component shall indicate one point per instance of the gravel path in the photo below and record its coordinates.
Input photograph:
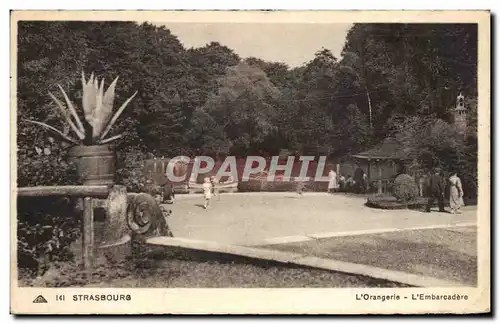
(246, 218)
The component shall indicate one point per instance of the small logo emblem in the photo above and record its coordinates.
(39, 299)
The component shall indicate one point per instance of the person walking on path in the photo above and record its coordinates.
(168, 193)
(422, 181)
(207, 192)
(456, 193)
(349, 183)
(341, 183)
(436, 191)
(365, 183)
(358, 180)
(215, 189)
(332, 181)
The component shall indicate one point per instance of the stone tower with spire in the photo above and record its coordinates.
(460, 115)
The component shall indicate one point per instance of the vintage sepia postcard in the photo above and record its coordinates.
(246, 162)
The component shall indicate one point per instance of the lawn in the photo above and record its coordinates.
(194, 270)
(449, 254)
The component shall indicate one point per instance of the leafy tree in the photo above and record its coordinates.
(162, 127)
(431, 142)
(353, 131)
(189, 99)
(277, 72)
(305, 109)
(208, 136)
(243, 106)
(412, 68)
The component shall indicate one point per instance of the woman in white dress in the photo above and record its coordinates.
(332, 181)
(456, 193)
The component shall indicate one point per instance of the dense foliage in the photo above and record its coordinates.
(398, 79)
(405, 189)
(210, 99)
(46, 229)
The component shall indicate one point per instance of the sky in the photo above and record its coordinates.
(293, 44)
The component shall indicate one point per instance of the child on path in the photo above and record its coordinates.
(207, 192)
(300, 186)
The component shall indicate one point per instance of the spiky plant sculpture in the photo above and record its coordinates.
(97, 108)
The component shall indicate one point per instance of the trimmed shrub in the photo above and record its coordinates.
(254, 185)
(405, 189)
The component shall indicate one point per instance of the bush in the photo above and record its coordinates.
(130, 169)
(46, 227)
(405, 189)
(42, 161)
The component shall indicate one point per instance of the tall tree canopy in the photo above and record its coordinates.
(210, 99)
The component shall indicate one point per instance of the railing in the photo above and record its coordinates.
(76, 191)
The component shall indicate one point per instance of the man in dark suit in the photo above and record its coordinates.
(436, 191)
(168, 193)
(358, 180)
